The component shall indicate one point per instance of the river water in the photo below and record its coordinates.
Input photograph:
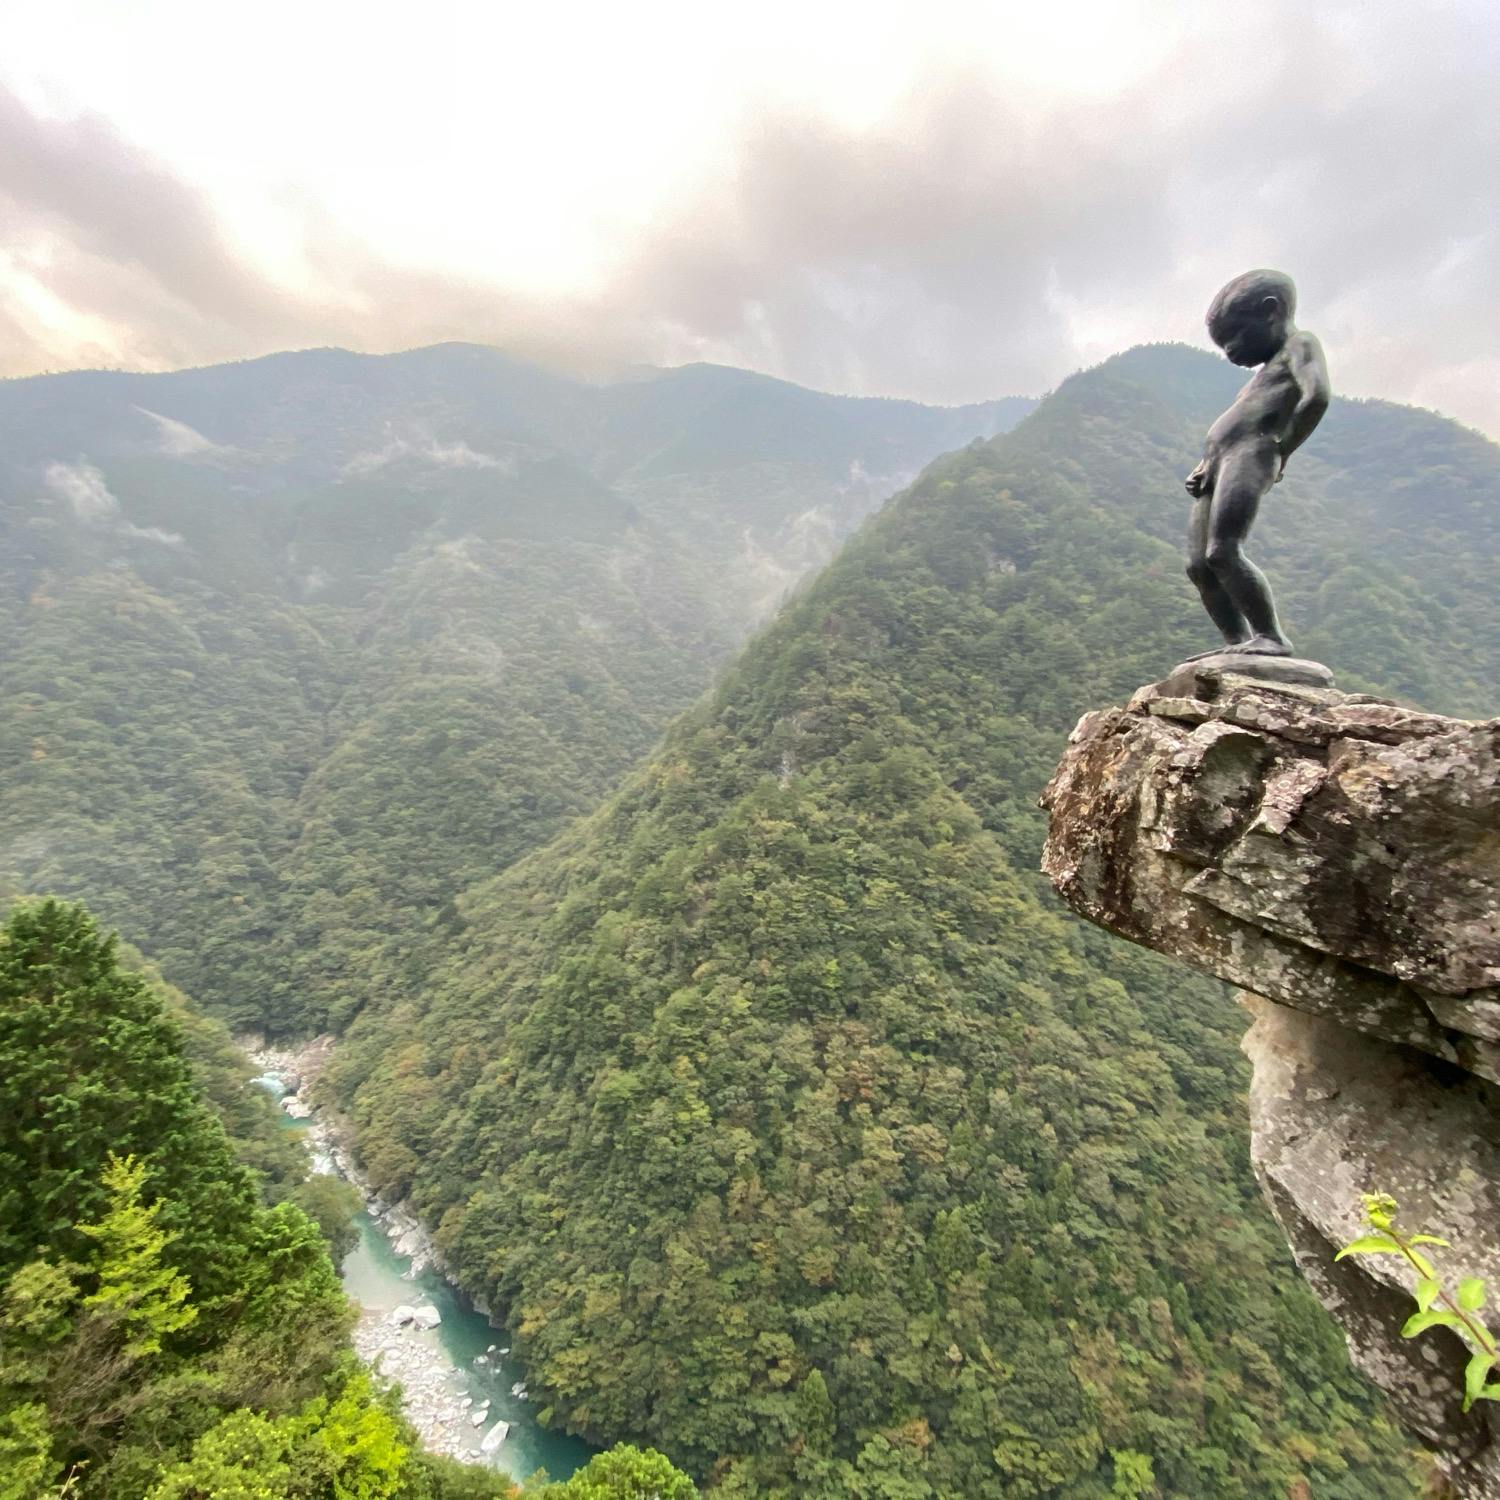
(463, 1348)
(375, 1276)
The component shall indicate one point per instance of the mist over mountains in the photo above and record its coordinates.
(305, 473)
(750, 1074)
(256, 616)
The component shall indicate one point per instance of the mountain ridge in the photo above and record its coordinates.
(371, 558)
(776, 1104)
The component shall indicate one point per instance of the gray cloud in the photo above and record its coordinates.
(965, 245)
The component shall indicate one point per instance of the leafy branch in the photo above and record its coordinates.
(1436, 1307)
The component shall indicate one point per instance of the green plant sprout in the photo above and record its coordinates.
(1459, 1312)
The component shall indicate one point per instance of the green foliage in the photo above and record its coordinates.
(27, 1466)
(1134, 1476)
(243, 1457)
(783, 1069)
(90, 1066)
(395, 625)
(148, 1301)
(135, 1288)
(1459, 1310)
(623, 1473)
(349, 1449)
(331, 1203)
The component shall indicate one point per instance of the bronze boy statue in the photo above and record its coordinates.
(1245, 453)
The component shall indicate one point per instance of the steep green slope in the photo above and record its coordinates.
(164, 1335)
(293, 649)
(161, 1332)
(788, 1120)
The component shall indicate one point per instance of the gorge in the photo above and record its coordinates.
(390, 1267)
(751, 1074)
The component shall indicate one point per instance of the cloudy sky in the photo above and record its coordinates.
(940, 200)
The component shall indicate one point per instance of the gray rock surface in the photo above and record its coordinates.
(1337, 856)
(1298, 670)
(1335, 853)
(1334, 1113)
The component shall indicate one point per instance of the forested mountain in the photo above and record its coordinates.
(292, 650)
(163, 1332)
(785, 1118)
(166, 1333)
(788, 1120)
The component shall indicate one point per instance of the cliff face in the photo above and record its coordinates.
(1338, 858)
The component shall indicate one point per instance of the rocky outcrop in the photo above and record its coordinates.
(1338, 857)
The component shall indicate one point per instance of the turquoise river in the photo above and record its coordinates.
(465, 1344)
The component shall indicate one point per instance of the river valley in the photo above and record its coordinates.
(459, 1386)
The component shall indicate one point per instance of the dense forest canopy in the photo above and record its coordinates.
(792, 1124)
(293, 650)
(787, 1121)
(167, 1329)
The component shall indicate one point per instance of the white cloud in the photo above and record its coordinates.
(83, 487)
(426, 449)
(150, 534)
(461, 456)
(181, 441)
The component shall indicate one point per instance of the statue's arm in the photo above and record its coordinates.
(1310, 370)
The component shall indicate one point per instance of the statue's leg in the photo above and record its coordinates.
(1221, 608)
(1243, 478)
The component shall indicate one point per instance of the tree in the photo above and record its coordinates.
(135, 1286)
(624, 1473)
(243, 1457)
(331, 1203)
(113, 1363)
(27, 1467)
(90, 1066)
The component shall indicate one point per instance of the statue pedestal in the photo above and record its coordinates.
(1294, 671)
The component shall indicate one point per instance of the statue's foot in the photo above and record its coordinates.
(1217, 651)
(1265, 645)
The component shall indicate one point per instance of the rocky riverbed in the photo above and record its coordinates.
(458, 1388)
(436, 1398)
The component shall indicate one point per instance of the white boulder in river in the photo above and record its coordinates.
(402, 1315)
(427, 1317)
(494, 1437)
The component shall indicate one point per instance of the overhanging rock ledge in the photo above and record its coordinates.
(1338, 857)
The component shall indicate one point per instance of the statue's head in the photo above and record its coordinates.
(1252, 316)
